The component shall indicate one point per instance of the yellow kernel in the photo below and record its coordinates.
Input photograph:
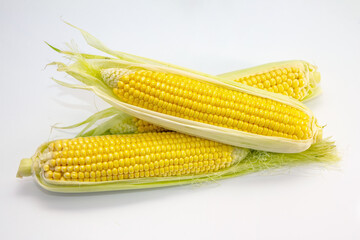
(76, 168)
(52, 163)
(260, 85)
(46, 167)
(276, 90)
(67, 175)
(280, 88)
(291, 76)
(301, 82)
(105, 165)
(267, 84)
(74, 175)
(49, 174)
(295, 83)
(56, 175)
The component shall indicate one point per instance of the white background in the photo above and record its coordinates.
(210, 36)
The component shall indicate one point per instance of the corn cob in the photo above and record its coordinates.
(297, 79)
(134, 161)
(291, 78)
(91, 161)
(134, 156)
(199, 104)
(186, 98)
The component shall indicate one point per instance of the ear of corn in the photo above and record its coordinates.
(297, 79)
(135, 161)
(242, 129)
(199, 104)
(117, 162)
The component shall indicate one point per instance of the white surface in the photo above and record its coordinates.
(210, 36)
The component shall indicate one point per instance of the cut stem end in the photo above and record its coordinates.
(25, 168)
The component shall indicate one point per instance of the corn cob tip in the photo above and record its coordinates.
(25, 168)
(111, 76)
(315, 78)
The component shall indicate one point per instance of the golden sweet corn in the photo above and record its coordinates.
(198, 104)
(116, 157)
(190, 99)
(112, 158)
(184, 100)
(217, 105)
(134, 161)
(305, 79)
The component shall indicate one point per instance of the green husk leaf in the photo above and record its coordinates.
(96, 43)
(92, 120)
(71, 53)
(313, 93)
(119, 124)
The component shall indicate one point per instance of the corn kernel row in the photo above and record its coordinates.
(115, 157)
(143, 126)
(190, 99)
(289, 81)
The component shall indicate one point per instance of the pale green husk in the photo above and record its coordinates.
(87, 71)
(313, 76)
(119, 123)
(310, 70)
(323, 153)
